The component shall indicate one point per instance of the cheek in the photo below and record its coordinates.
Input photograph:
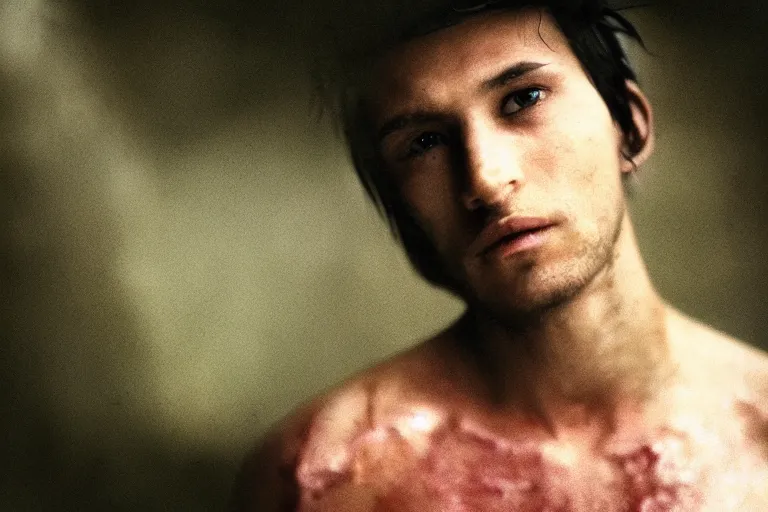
(583, 176)
(588, 147)
(587, 134)
(434, 202)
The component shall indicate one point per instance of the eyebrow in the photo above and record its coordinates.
(400, 122)
(509, 74)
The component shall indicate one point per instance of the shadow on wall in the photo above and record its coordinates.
(78, 407)
(186, 255)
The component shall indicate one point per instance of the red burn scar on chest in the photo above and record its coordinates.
(422, 464)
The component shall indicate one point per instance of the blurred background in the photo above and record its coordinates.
(185, 254)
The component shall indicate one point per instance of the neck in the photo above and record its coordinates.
(601, 350)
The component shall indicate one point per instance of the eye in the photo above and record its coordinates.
(424, 143)
(519, 100)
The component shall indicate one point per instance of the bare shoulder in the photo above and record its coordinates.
(726, 377)
(304, 450)
(723, 360)
(266, 480)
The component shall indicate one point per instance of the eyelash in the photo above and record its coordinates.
(539, 93)
(414, 152)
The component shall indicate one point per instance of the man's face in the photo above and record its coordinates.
(490, 128)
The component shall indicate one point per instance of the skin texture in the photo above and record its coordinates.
(568, 385)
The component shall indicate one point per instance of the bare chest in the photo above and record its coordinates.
(460, 469)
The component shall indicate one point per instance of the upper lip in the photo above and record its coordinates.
(497, 231)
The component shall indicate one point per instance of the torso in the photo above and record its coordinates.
(406, 438)
(425, 461)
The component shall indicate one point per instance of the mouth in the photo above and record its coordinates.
(519, 242)
(511, 235)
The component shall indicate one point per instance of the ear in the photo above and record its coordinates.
(636, 152)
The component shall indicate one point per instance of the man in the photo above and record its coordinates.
(498, 140)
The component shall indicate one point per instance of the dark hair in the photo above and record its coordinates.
(592, 30)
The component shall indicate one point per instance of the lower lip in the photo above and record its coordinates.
(522, 243)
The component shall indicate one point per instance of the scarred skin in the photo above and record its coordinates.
(411, 435)
(598, 396)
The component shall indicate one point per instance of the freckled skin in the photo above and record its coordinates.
(599, 396)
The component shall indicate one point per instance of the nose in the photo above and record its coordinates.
(492, 164)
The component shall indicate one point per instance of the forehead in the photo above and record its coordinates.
(444, 62)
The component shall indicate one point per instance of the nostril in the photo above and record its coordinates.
(474, 204)
(489, 199)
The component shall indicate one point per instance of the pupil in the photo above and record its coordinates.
(428, 140)
(528, 97)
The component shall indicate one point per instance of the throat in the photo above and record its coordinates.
(586, 360)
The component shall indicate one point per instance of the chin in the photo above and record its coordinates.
(532, 288)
